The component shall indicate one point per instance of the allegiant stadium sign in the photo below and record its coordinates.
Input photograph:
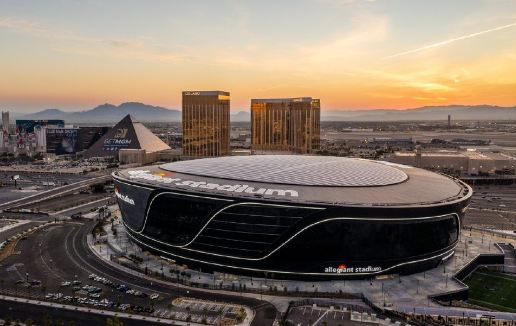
(236, 188)
(123, 197)
(343, 269)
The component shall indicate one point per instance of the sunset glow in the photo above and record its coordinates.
(352, 54)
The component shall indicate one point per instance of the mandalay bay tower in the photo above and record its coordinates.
(286, 125)
(205, 123)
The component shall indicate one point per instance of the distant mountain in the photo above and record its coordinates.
(108, 113)
(241, 116)
(457, 112)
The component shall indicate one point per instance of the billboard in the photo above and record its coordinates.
(28, 125)
(118, 141)
(62, 141)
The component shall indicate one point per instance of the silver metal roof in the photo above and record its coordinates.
(293, 170)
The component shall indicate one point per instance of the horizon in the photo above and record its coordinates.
(351, 54)
(236, 111)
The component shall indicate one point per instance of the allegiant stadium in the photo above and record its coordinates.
(299, 217)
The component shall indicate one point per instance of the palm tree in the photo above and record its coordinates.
(29, 287)
(59, 322)
(2, 282)
(310, 322)
(16, 288)
(44, 290)
(48, 320)
(169, 306)
(119, 297)
(70, 323)
(220, 316)
(28, 322)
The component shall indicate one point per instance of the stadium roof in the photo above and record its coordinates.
(304, 179)
(129, 133)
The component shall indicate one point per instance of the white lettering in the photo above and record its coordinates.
(238, 188)
(344, 270)
(124, 198)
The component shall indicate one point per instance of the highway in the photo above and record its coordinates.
(53, 192)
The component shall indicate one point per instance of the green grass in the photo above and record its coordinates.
(501, 300)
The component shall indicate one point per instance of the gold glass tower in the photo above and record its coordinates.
(205, 123)
(287, 124)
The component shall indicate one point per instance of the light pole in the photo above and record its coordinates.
(50, 263)
(417, 287)
(27, 275)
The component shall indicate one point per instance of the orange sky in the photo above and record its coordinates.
(352, 54)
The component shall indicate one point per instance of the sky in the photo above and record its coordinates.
(352, 54)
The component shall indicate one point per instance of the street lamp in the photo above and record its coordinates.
(417, 287)
(27, 275)
(50, 263)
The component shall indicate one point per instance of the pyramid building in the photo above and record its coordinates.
(129, 133)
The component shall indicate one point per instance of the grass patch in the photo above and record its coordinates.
(492, 290)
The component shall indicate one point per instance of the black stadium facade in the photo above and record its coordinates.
(299, 217)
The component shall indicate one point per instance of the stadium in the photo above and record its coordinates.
(292, 216)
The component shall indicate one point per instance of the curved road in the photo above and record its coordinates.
(60, 253)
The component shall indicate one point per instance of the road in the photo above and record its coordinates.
(53, 192)
(59, 253)
(22, 311)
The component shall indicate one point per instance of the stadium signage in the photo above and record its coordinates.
(192, 93)
(123, 197)
(236, 188)
(343, 269)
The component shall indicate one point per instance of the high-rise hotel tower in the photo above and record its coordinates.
(205, 123)
(286, 124)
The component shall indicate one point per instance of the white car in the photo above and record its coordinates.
(65, 283)
(502, 205)
(154, 296)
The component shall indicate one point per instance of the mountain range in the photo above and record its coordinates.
(108, 113)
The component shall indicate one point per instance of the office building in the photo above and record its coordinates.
(5, 122)
(206, 123)
(286, 125)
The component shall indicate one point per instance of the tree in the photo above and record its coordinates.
(169, 307)
(310, 322)
(220, 316)
(44, 290)
(114, 322)
(29, 287)
(47, 321)
(8, 320)
(2, 282)
(71, 323)
(119, 297)
(16, 288)
(28, 322)
(60, 322)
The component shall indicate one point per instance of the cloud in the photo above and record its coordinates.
(449, 41)
(20, 24)
(122, 43)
